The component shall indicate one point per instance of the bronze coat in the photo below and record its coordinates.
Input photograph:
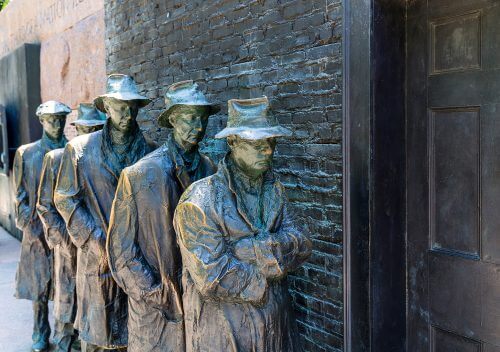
(64, 274)
(84, 194)
(142, 247)
(33, 278)
(230, 304)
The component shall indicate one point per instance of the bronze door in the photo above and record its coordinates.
(453, 175)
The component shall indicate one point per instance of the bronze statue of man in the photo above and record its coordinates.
(34, 273)
(143, 253)
(238, 243)
(65, 252)
(85, 189)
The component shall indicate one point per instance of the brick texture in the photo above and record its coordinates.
(287, 50)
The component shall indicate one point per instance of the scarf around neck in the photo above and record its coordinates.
(49, 144)
(117, 158)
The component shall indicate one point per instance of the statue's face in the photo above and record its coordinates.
(253, 157)
(189, 123)
(53, 125)
(122, 113)
(81, 129)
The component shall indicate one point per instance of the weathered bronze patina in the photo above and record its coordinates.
(238, 244)
(33, 279)
(143, 252)
(65, 252)
(90, 168)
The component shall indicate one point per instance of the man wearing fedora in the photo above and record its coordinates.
(86, 184)
(33, 278)
(143, 252)
(238, 243)
(65, 252)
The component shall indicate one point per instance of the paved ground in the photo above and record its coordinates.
(16, 320)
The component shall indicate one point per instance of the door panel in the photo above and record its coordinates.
(443, 340)
(453, 175)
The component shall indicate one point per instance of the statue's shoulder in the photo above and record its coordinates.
(54, 156)
(204, 191)
(30, 147)
(26, 150)
(80, 143)
(154, 164)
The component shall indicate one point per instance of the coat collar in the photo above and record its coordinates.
(134, 150)
(186, 175)
(48, 144)
(272, 195)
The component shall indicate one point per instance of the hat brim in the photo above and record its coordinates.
(142, 101)
(88, 123)
(163, 118)
(254, 133)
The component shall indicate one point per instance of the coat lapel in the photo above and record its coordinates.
(272, 201)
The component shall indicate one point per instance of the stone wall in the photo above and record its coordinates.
(287, 50)
(72, 57)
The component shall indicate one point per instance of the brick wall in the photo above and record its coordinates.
(287, 50)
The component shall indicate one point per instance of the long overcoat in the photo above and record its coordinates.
(235, 302)
(34, 272)
(64, 274)
(85, 189)
(142, 247)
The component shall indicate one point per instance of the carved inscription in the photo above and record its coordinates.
(456, 43)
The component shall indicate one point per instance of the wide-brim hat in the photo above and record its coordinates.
(184, 93)
(121, 87)
(52, 107)
(89, 116)
(252, 119)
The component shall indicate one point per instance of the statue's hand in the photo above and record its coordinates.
(166, 298)
(97, 244)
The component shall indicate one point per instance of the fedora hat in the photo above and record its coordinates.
(251, 119)
(88, 115)
(184, 93)
(52, 107)
(121, 87)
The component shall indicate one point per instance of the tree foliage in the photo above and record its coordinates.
(3, 3)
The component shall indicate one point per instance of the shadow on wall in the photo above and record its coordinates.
(20, 95)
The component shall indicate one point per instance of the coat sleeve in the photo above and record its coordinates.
(128, 265)
(292, 247)
(69, 201)
(23, 213)
(53, 223)
(216, 272)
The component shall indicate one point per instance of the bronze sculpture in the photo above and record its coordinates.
(89, 119)
(142, 246)
(238, 243)
(90, 168)
(33, 278)
(65, 253)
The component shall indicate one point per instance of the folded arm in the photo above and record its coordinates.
(128, 265)
(23, 212)
(69, 202)
(53, 223)
(215, 270)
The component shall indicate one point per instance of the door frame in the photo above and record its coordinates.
(374, 178)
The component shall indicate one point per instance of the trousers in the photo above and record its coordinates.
(41, 326)
(64, 336)
(88, 347)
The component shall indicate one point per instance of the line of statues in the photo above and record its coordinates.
(147, 248)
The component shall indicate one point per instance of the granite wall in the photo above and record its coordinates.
(72, 55)
(288, 50)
